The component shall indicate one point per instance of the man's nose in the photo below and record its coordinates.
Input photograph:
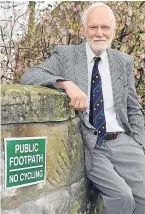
(99, 32)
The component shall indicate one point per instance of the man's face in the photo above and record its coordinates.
(99, 29)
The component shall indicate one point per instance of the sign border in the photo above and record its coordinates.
(5, 162)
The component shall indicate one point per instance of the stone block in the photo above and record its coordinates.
(23, 104)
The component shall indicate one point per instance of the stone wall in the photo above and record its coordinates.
(31, 111)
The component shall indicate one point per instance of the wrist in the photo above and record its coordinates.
(62, 84)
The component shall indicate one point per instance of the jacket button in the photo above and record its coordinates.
(95, 132)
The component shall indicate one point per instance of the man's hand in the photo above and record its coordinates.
(78, 99)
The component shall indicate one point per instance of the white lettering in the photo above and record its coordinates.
(21, 176)
(29, 159)
(25, 148)
(36, 145)
(41, 173)
(21, 160)
(16, 148)
(31, 175)
(16, 178)
(11, 160)
(16, 161)
(34, 159)
(26, 160)
(41, 158)
(13, 178)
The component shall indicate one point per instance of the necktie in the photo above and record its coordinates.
(97, 115)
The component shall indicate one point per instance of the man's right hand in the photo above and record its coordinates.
(78, 99)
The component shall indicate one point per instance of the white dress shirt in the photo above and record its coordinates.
(112, 124)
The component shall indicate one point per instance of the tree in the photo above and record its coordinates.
(12, 29)
(62, 25)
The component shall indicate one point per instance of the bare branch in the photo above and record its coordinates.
(143, 2)
(2, 36)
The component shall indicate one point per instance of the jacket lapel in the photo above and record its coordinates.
(81, 67)
(116, 72)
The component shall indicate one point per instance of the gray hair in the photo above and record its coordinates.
(95, 5)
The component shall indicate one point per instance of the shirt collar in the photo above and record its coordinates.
(91, 55)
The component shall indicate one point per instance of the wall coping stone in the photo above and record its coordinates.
(27, 104)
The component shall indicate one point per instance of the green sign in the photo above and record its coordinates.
(25, 161)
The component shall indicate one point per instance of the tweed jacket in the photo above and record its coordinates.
(70, 63)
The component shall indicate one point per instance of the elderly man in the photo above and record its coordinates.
(100, 86)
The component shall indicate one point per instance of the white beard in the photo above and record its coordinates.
(99, 47)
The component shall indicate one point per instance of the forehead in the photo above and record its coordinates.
(99, 15)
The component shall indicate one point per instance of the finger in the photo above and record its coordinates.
(72, 102)
(86, 102)
(75, 102)
(75, 106)
(81, 104)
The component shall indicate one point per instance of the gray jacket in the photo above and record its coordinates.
(70, 63)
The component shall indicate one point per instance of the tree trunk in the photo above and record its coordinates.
(31, 21)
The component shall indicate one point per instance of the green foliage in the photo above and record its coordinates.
(63, 26)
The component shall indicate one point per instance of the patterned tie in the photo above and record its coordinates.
(97, 115)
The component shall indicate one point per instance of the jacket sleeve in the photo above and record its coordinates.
(47, 73)
(135, 116)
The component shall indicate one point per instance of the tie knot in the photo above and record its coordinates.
(97, 59)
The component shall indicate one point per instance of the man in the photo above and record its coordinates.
(102, 90)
